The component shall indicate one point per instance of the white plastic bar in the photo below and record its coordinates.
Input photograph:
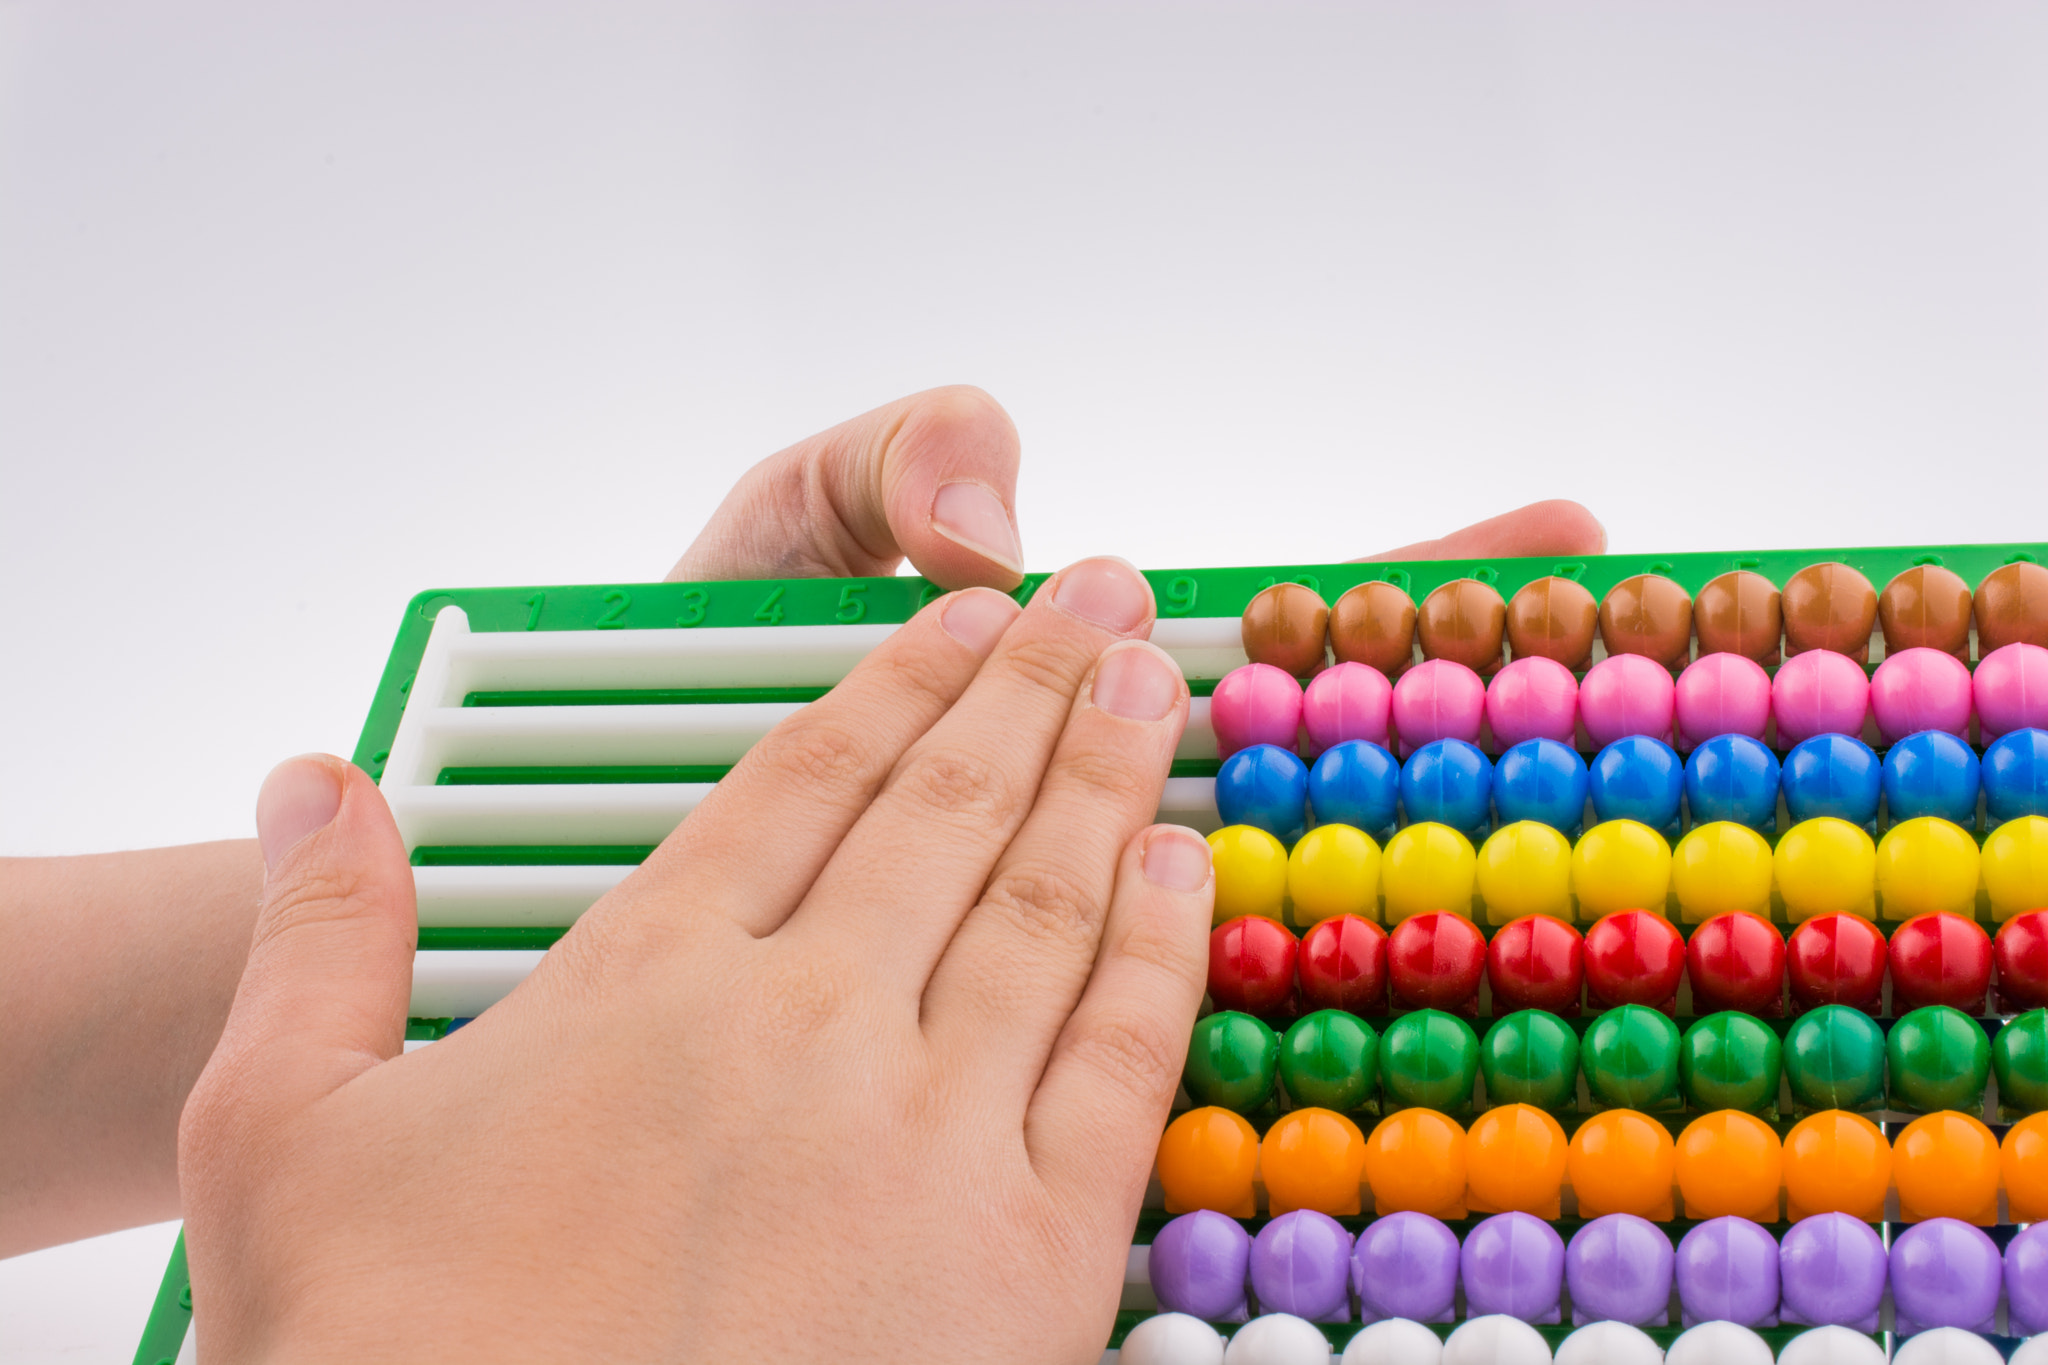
(506, 897)
(1203, 646)
(462, 983)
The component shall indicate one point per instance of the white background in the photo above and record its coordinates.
(306, 308)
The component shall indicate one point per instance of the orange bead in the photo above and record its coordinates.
(1313, 1159)
(2023, 1159)
(1514, 1162)
(1946, 1165)
(1622, 1162)
(1730, 1162)
(1416, 1161)
(1207, 1158)
(1836, 1162)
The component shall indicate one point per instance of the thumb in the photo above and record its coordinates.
(931, 477)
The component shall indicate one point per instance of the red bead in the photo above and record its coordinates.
(1343, 965)
(1940, 959)
(1837, 960)
(1435, 960)
(1251, 965)
(1536, 963)
(1737, 962)
(1633, 958)
(2021, 951)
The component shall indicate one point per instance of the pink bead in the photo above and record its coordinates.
(1350, 701)
(1819, 692)
(1533, 698)
(1921, 689)
(1438, 699)
(1256, 704)
(2011, 689)
(1722, 694)
(1627, 694)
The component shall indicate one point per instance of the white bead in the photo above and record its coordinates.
(1496, 1340)
(1278, 1339)
(1831, 1346)
(1396, 1341)
(1609, 1343)
(1718, 1343)
(1947, 1346)
(1172, 1339)
(2032, 1351)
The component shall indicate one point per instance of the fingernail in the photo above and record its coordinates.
(1105, 592)
(1177, 859)
(973, 517)
(1136, 680)
(300, 796)
(978, 617)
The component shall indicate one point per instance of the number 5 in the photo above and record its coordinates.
(852, 606)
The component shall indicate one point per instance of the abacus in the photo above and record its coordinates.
(1509, 1052)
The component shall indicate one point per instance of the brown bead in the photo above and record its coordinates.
(1829, 606)
(1462, 621)
(1738, 613)
(2012, 607)
(1926, 607)
(1374, 624)
(1284, 626)
(1648, 615)
(1553, 618)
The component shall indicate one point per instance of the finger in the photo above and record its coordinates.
(905, 875)
(1015, 969)
(1094, 1122)
(757, 843)
(1542, 529)
(932, 477)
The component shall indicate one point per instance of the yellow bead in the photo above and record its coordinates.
(1251, 872)
(1826, 866)
(1720, 867)
(1427, 867)
(1525, 869)
(1927, 865)
(1620, 865)
(1334, 870)
(2016, 866)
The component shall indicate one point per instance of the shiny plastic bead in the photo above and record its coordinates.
(2014, 772)
(1939, 960)
(1448, 782)
(1530, 1057)
(2014, 863)
(1255, 704)
(2026, 1284)
(1342, 965)
(1932, 773)
(1832, 775)
(1525, 869)
(1251, 872)
(1349, 701)
(1826, 866)
(1927, 865)
(1542, 780)
(2021, 954)
(1287, 626)
(1633, 958)
(1946, 1166)
(1630, 1058)
(1329, 1060)
(1251, 965)
(1832, 1345)
(1831, 1272)
(2019, 1058)
(1397, 1341)
(1532, 698)
(1496, 1340)
(1232, 1061)
(1374, 624)
(1836, 960)
(1313, 1159)
(1610, 1343)
(1171, 1339)
(1437, 699)
(1620, 1161)
(1950, 1346)
(1536, 962)
(1425, 868)
(1277, 1339)
(1834, 1059)
(2023, 1164)
(1198, 1266)
(1618, 1266)
(1405, 1265)
(2010, 689)
(1719, 868)
(1944, 1273)
(1416, 1162)
(1429, 1059)
(1733, 778)
(1637, 778)
(1620, 865)
(1334, 870)
(1301, 1264)
(1819, 693)
(1836, 1162)
(1626, 694)
(1722, 694)
(1513, 1264)
(1727, 1274)
(1266, 786)
(1718, 1343)
(1730, 1163)
(1434, 961)
(1920, 689)
(1207, 1158)
(1358, 784)
(1737, 962)
(1514, 1162)
(1730, 1061)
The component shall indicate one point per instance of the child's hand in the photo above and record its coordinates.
(867, 1062)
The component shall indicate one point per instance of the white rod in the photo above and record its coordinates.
(511, 896)
(407, 764)
(461, 983)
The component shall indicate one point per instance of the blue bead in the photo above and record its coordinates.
(1266, 786)
(1637, 778)
(1931, 773)
(1541, 780)
(2016, 774)
(1355, 783)
(1733, 777)
(1835, 775)
(1450, 782)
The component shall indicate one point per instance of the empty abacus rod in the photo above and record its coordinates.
(511, 896)
(462, 983)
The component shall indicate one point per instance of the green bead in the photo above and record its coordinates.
(1630, 1058)
(1939, 1059)
(2019, 1054)
(1531, 1057)
(1330, 1060)
(1231, 1062)
(1834, 1059)
(1730, 1061)
(1429, 1059)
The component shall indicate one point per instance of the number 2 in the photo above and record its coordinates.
(616, 602)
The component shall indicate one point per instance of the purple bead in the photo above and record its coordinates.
(1405, 1266)
(1944, 1273)
(2026, 1280)
(1619, 1270)
(1727, 1271)
(1198, 1264)
(1831, 1272)
(1513, 1263)
(1301, 1263)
